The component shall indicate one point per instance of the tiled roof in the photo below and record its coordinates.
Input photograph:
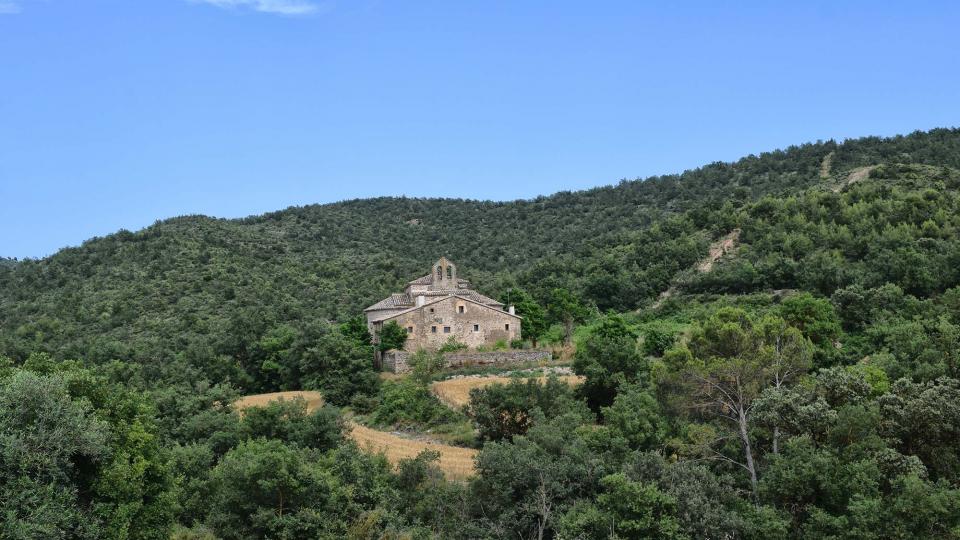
(477, 297)
(402, 301)
(394, 301)
(428, 279)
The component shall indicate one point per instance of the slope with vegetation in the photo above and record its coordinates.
(805, 385)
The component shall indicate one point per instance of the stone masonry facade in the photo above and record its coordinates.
(439, 307)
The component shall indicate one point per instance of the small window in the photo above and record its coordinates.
(431, 310)
(449, 272)
(446, 329)
(506, 327)
(476, 328)
(433, 329)
(409, 329)
(461, 309)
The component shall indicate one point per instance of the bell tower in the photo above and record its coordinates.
(444, 274)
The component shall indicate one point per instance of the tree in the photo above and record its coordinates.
(635, 416)
(624, 509)
(527, 483)
(339, 366)
(265, 489)
(47, 443)
(607, 358)
(392, 337)
(657, 340)
(567, 309)
(355, 328)
(816, 319)
(272, 354)
(534, 316)
(79, 458)
(290, 422)
(924, 420)
(503, 411)
(728, 363)
(426, 364)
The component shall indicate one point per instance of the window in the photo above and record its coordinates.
(506, 327)
(431, 310)
(446, 329)
(449, 272)
(439, 272)
(433, 329)
(476, 328)
(409, 329)
(461, 309)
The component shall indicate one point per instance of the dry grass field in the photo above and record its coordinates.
(456, 392)
(314, 399)
(455, 462)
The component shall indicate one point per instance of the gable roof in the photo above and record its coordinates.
(404, 300)
(394, 301)
(497, 306)
(428, 279)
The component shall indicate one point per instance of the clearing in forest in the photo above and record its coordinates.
(825, 166)
(856, 175)
(456, 392)
(718, 249)
(314, 399)
(455, 462)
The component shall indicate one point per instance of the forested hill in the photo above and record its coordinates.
(212, 287)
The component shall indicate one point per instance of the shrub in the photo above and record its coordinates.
(406, 403)
(452, 345)
(502, 411)
(426, 364)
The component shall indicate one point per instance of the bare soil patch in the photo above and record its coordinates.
(856, 175)
(718, 249)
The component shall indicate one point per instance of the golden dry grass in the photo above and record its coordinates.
(455, 462)
(314, 399)
(456, 392)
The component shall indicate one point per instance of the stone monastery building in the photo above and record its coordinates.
(440, 306)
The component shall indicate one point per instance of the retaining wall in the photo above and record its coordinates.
(398, 361)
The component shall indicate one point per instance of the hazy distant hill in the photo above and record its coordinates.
(197, 282)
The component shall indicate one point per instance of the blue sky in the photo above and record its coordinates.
(115, 113)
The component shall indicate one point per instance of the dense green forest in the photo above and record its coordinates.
(806, 385)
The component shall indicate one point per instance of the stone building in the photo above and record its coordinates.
(440, 306)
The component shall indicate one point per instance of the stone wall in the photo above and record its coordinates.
(472, 324)
(398, 361)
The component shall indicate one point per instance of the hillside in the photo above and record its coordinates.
(761, 349)
(189, 283)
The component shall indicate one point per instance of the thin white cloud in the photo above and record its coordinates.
(9, 7)
(280, 7)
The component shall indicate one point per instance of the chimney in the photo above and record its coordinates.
(511, 310)
(421, 300)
